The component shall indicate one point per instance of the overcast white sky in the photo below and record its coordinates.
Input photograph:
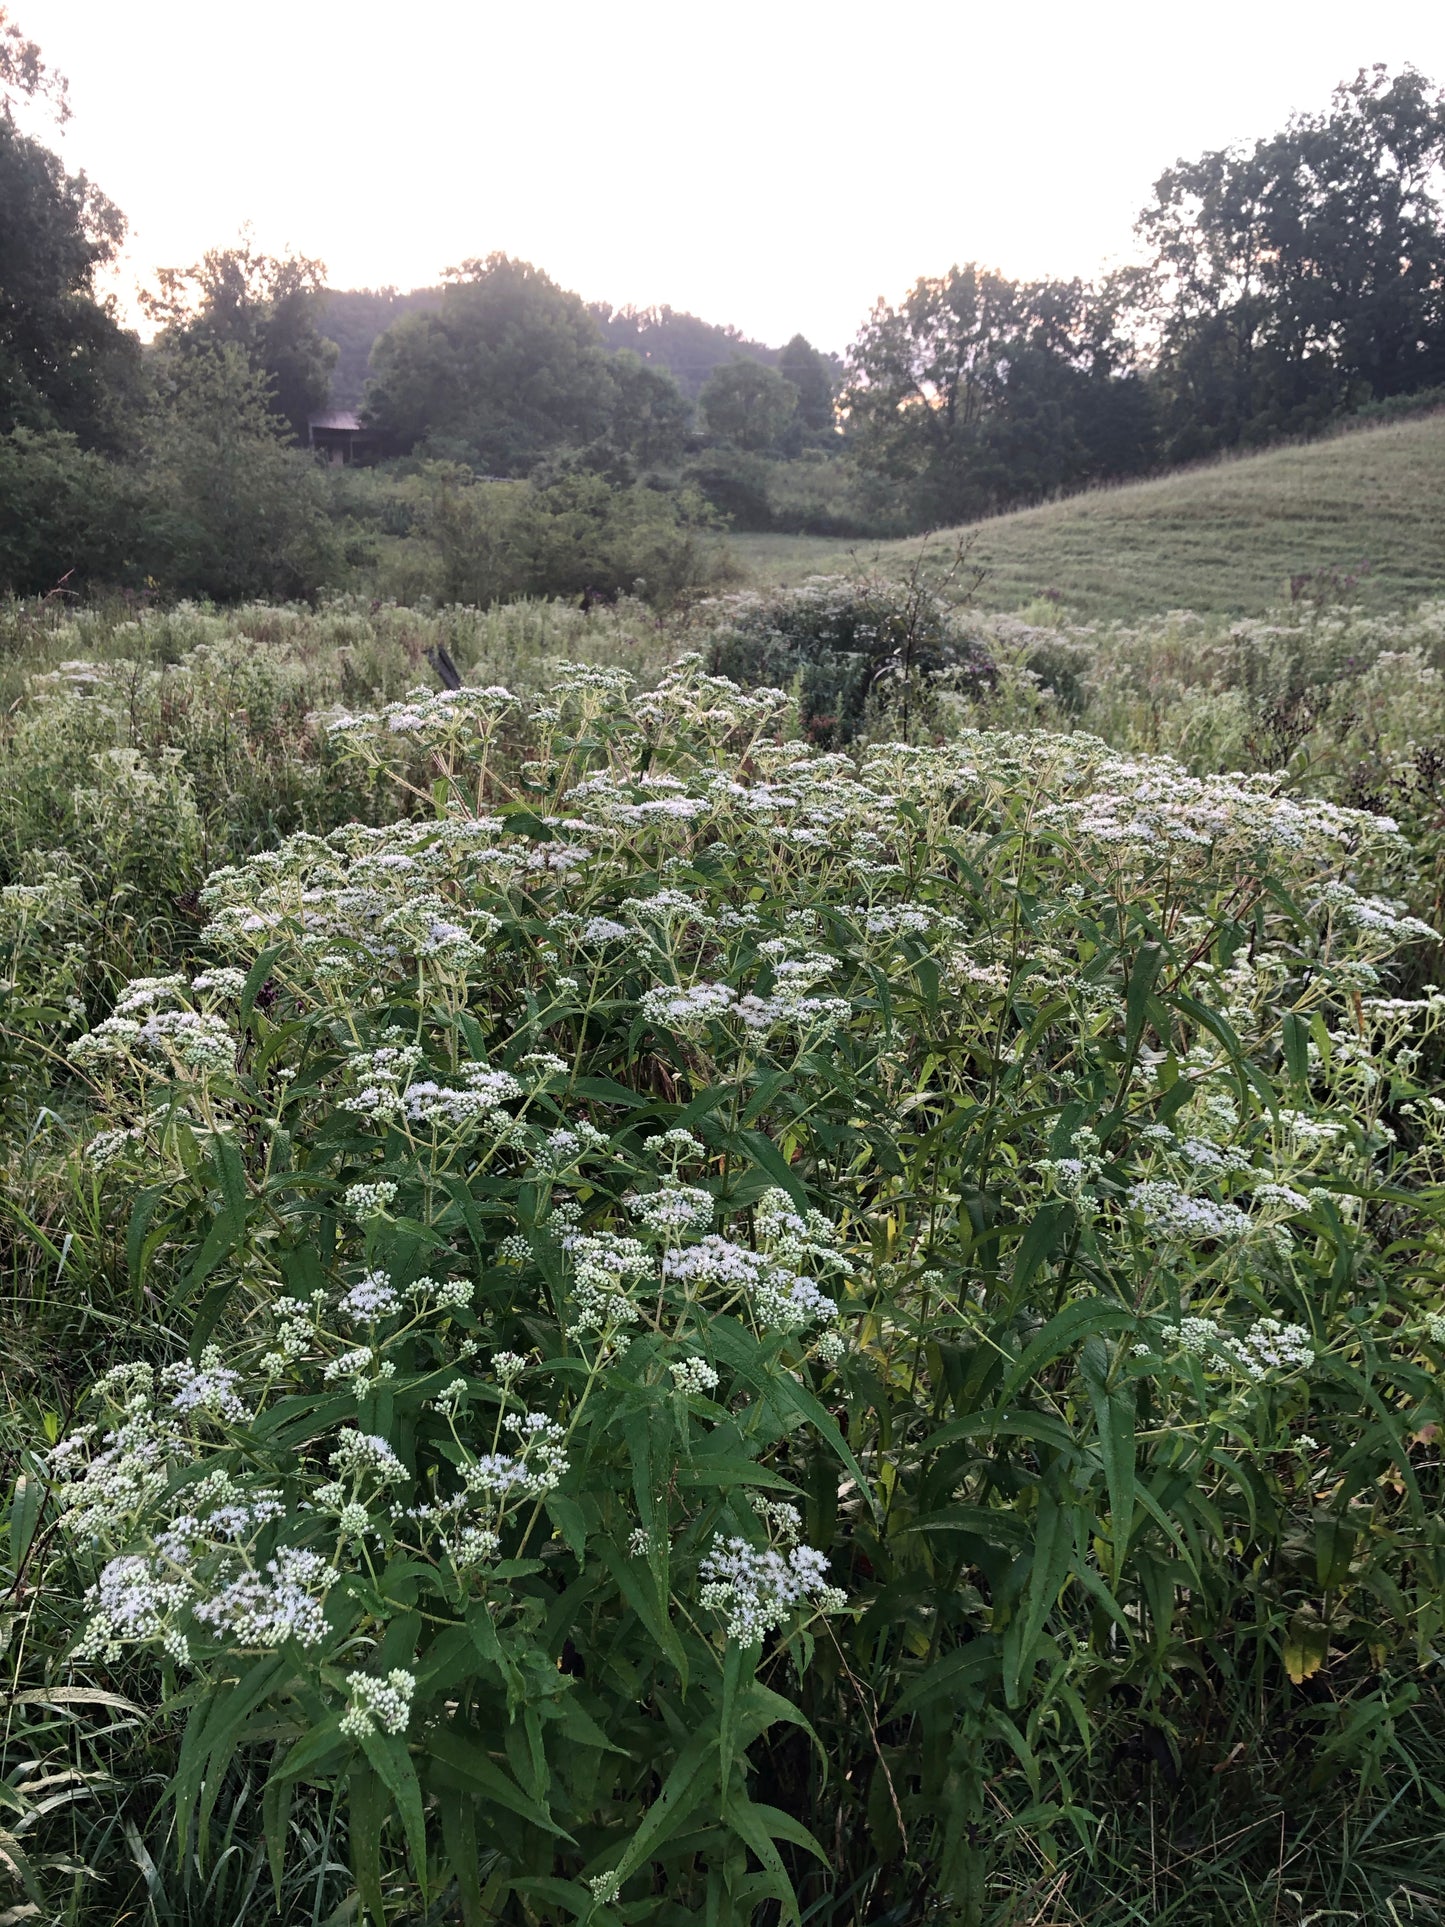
(774, 163)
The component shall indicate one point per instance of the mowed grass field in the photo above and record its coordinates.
(1223, 539)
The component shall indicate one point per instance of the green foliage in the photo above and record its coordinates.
(1302, 275)
(65, 362)
(816, 492)
(264, 306)
(977, 392)
(72, 517)
(572, 533)
(235, 512)
(1125, 1169)
(736, 484)
(687, 347)
(649, 419)
(24, 74)
(747, 404)
(865, 653)
(802, 365)
(354, 318)
(509, 369)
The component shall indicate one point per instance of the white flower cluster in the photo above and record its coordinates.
(372, 1297)
(537, 1467)
(360, 1453)
(1070, 1175)
(690, 1010)
(567, 1145)
(673, 1210)
(693, 1377)
(606, 1269)
(282, 1601)
(1374, 916)
(208, 1388)
(131, 1603)
(378, 1702)
(1150, 807)
(201, 1571)
(476, 1105)
(177, 1040)
(1172, 1212)
(1197, 1336)
(386, 1087)
(1268, 1345)
(758, 1589)
(103, 1489)
(370, 1199)
(780, 1298)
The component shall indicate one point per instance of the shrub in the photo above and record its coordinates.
(71, 517)
(232, 511)
(867, 650)
(753, 1314)
(736, 485)
(560, 537)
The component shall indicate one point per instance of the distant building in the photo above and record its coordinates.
(338, 434)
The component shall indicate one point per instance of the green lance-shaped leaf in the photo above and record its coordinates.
(1052, 1555)
(1114, 1417)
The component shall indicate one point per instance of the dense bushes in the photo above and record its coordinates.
(688, 1172)
(816, 493)
(216, 504)
(564, 536)
(71, 517)
(869, 652)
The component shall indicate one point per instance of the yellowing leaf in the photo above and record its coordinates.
(1306, 1646)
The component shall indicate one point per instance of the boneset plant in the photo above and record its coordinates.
(752, 1310)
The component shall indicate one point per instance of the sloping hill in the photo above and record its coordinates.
(1223, 539)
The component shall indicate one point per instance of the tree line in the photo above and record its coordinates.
(1285, 283)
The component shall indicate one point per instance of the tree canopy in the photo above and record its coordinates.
(24, 73)
(688, 347)
(802, 365)
(1304, 273)
(511, 368)
(267, 307)
(748, 404)
(65, 361)
(977, 392)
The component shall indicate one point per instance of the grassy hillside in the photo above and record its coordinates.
(1222, 540)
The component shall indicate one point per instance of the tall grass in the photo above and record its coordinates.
(1224, 539)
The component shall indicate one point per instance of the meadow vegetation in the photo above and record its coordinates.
(678, 1253)
(1224, 538)
(635, 1297)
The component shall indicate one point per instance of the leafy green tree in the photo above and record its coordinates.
(233, 512)
(977, 392)
(65, 361)
(509, 368)
(71, 517)
(1305, 272)
(354, 318)
(267, 306)
(748, 404)
(802, 365)
(650, 415)
(689, 348)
